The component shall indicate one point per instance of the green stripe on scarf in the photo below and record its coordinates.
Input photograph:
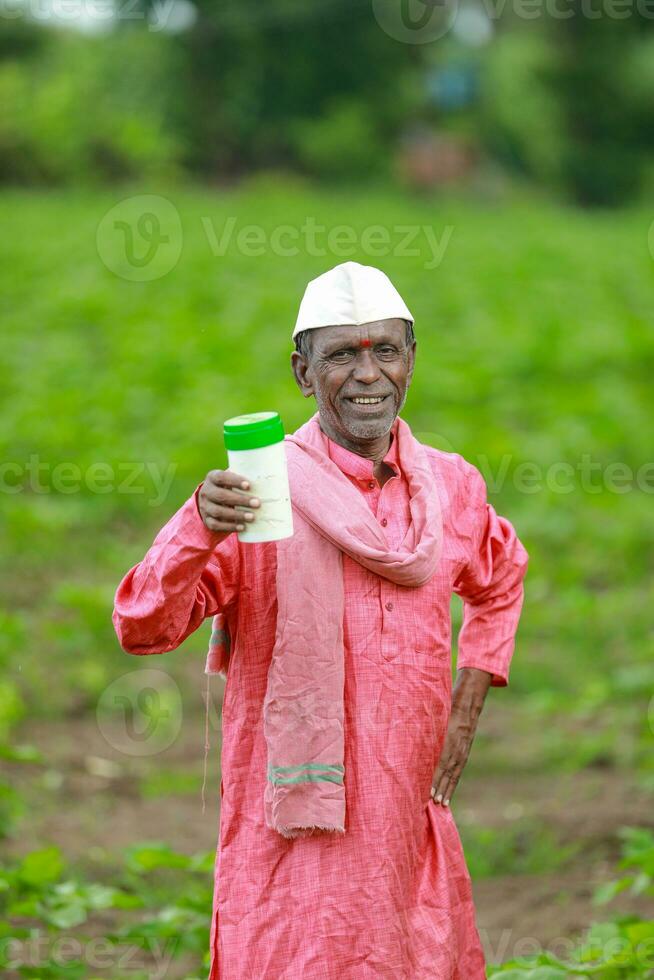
(218, 637)
(283, 775)
(308, 777)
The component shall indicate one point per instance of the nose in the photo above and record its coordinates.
(366, 368)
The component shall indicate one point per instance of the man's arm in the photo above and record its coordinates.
(468, 699)
(189, 573)
(491, 585)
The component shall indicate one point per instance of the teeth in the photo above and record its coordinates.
(367, 401)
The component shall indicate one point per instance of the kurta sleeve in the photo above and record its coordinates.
(188, 574)
(491, 586)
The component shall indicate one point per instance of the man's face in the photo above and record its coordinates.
(347, 362)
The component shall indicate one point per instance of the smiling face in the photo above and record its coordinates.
(346, 363)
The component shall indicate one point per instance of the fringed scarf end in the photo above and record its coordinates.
(289, 831)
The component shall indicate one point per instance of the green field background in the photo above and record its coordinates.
(535, 345)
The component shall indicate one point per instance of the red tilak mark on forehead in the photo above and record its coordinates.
(365, 342)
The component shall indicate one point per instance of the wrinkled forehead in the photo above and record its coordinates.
(376, 331)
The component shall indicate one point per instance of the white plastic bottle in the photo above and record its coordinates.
(255, 450)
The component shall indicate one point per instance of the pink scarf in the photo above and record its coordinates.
(303, 711)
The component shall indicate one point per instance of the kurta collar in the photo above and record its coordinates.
(358, 466)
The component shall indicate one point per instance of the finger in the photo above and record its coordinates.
(448, 792)
(436, 789)
(442, 782)
(227, 515)
(234, 498)
(454, 776)
(440, 789)
(222, 527)
(227, 478)
(438, 775)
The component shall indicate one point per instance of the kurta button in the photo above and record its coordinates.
(371, 485)
(389, 606)
(384, 522)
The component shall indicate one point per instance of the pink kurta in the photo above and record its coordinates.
(391, 898)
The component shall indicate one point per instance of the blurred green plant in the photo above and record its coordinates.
(522, 121)
(637, 857)
(39, 892)
(527, 847)
(36, 888)
(614, 950)
(341, 144)
(12, 809)
(619, 950)
(564, 102)
(561, 368)
(169, 782)
(40, 896)
(87, 110)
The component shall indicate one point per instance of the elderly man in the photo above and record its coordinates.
(346, 864)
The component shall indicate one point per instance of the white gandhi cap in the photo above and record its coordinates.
(349, 294)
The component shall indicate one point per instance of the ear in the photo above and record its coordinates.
(412, 362)
(301, 372)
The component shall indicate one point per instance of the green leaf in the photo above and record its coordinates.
(147, 857)
(41, 867)
(513, 974)
(20, 753)
(637, 932)
(642, 883)
(100, 896)
(606, 892)
(548, 973)
(66, 916)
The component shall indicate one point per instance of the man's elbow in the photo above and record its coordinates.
(131, 637)
(139, 649)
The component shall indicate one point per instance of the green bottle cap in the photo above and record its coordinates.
(253, 431)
